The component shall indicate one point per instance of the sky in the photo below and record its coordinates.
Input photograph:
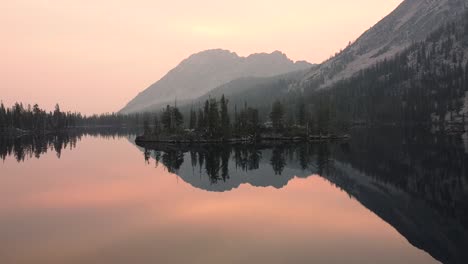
(95, 56)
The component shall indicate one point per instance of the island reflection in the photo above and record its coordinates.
(414, 180)
(225, 167)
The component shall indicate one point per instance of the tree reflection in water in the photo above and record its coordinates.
(33, 146)
(414, 180)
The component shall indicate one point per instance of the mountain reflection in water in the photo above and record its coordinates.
(414, 180)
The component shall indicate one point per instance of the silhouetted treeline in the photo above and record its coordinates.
(215, 121)
(35, 119)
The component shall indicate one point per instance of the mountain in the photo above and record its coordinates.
(426, 83)
(411, 21)
(409, 67)
(204, 71)
(258, 92)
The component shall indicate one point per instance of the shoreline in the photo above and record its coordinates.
(246, 140)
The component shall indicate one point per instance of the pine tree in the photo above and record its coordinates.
(146, 128)
(323, 118)
(37, 117)
(466, 76)
(236, 120)
(213, 118)
(193, 119)
(206, 115)
(157, 126)
(2, 117)
(17, 115)
(277, 115)
(254, 121)
(225, 121)
(301, 114)
(172, 118)
(166, 118)
(57, 117)
(200, 120)
(178, 118)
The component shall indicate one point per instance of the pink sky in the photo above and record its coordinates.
(94, 56)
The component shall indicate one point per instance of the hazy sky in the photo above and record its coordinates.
(94, 56)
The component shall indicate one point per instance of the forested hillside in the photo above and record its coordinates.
(412, 21)
(426, 82)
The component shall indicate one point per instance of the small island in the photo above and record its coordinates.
(212, 124)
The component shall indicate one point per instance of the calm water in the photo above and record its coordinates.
(384, 197)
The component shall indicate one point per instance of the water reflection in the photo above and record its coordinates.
(29, 146)
(414, 180)
(225, 167)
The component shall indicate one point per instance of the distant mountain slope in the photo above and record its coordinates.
(426, 83)
(257, 92)
(412, 21)
(207, 70)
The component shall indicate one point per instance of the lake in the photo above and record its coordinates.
(386, 196)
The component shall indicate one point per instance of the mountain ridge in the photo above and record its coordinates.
(411, 21)
(206, 70)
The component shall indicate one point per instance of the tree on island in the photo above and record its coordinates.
(156, 125)
(225, 120)
(193, 119)
(301, 114)
(146, 128)
(247, 122)
(172, 119)
(200, 119)
(323, 118)
(277, 115)
(213, 119)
